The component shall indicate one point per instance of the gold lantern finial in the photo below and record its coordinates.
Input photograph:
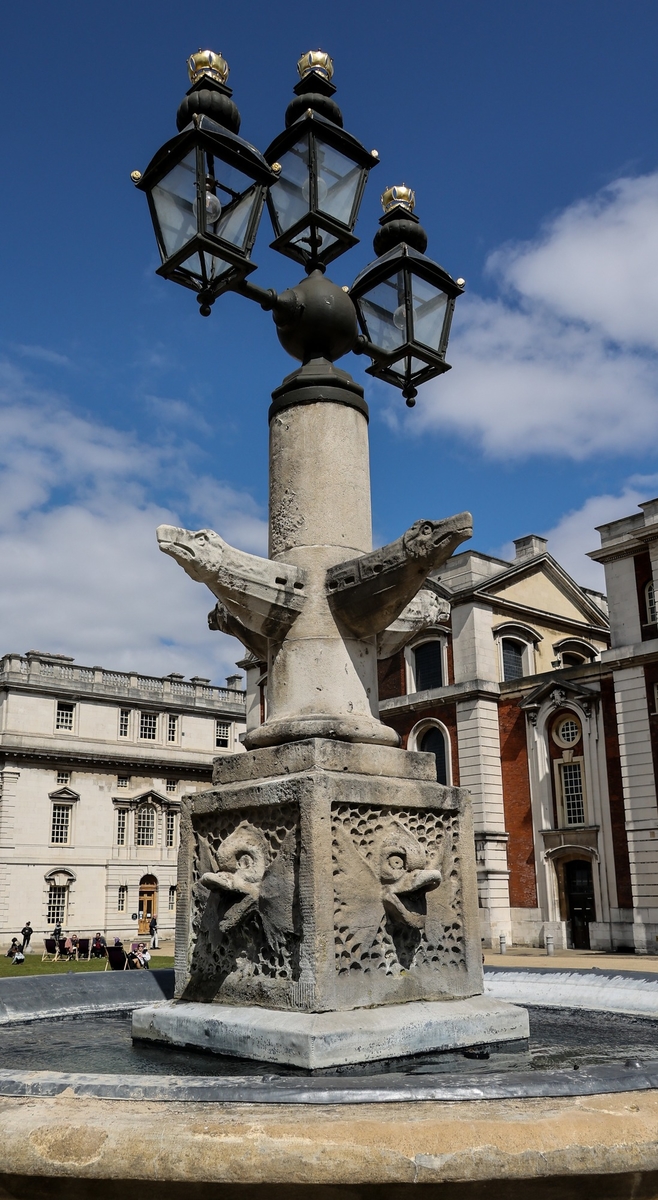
(318, 61)
(207, 63)
(398, 197)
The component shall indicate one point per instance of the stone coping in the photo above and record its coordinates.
(605, 991)
(323, 754)
(80, 993)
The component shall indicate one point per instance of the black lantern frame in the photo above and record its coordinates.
(317, 235)
(392, 336)
(212, 168)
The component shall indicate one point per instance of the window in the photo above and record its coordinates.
(434, 742)
(172, 898)
(171, 829)
(222, 731)
(569, 659)
(56, 913)
(122, 896)
(573, 797)
(145, 826)
(512, 658)
(148, 726)
(652, 612)
(567, 731)
(63, 777)
(124, 722)
(123, 781)
(64, 715)
(429, 665)
(172, 728)
(171, 785)
(122, 817)
(61, 820)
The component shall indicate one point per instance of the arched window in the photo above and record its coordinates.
(512, 652)
(145, 826)
(652, 612)
(428, 663)
(433, 742)
(573, 652)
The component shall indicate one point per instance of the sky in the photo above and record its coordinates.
(528, 132)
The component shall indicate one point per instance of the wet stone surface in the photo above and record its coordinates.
(559, 1038)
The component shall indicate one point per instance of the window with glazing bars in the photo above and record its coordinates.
(572, 793)
(172, 898)
(124, 722)
(429, 672)
(59, 832)
(171, 785)
(171, 829)
(122, 818)
(148, 726)
(652, 611)
(512, 659)
(145, 826)
(222, 730)
(172, 728)
(64, 718)
(122, 896)
(63, 777)
(56, 905)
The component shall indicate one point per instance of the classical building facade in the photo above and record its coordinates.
(545, 706)
(93, 765)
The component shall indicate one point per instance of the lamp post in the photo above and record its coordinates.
(326, 870)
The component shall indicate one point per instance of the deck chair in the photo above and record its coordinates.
(84, 948)
(116, 959)
(61, 949)
(50, 950)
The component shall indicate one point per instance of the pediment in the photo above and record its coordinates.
(64, 795)
(150, 796)
(543, 586)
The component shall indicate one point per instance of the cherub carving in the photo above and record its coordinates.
(398, 882)
(241, 869)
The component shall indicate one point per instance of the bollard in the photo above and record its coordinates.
(503, 944)
(550, 945)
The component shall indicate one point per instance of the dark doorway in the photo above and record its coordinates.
(434, 743)
(579, 887)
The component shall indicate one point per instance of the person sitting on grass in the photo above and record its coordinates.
(71, 946)
(98, 946)
(13, 949)
(19, 957)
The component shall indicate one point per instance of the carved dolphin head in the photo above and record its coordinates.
(199, 552)
(437, 540)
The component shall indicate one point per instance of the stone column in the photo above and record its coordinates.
(640, 805)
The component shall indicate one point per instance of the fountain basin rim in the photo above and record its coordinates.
(391, 1089)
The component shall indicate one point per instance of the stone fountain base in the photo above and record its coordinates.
(330, 1039)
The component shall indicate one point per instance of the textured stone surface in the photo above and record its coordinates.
(595, 1146)
(319, 889)
(316, 1040)
(353, 757)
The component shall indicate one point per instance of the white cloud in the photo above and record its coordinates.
(82, 574)
(575, 534)
(563, 362)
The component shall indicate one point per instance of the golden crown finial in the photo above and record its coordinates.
(400, 196)
(318, 61)
(207, 63)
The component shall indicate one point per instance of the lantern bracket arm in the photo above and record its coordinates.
(367, 594)
(363, 346)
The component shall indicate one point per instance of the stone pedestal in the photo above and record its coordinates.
(320, 877)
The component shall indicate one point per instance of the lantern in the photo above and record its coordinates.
(404, 301)
(322, 171)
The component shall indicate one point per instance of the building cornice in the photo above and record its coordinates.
(23, 751)
(473, 689)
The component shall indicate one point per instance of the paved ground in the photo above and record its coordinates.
(575, 960)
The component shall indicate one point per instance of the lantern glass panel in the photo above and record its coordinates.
(319, 239)
(429, 310)
(233, 224)
(215, 267)
(174, 198)
(338, 183)
(383, 310)
(290, 194)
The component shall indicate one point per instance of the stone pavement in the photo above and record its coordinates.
(571, 960)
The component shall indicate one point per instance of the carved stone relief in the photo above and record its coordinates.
(245, 921)
(397, 890)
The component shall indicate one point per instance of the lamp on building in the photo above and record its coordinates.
(404, 300)
(206, 188)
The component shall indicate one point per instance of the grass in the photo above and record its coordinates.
(34, 966)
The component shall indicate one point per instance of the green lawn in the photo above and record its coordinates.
(34, 966)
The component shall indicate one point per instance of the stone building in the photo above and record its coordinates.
(546, 708)
(93, 764)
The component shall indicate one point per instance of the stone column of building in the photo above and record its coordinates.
(480, 763)
(9, 776)
(621, 541)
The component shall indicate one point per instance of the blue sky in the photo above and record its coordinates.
(529, 134)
